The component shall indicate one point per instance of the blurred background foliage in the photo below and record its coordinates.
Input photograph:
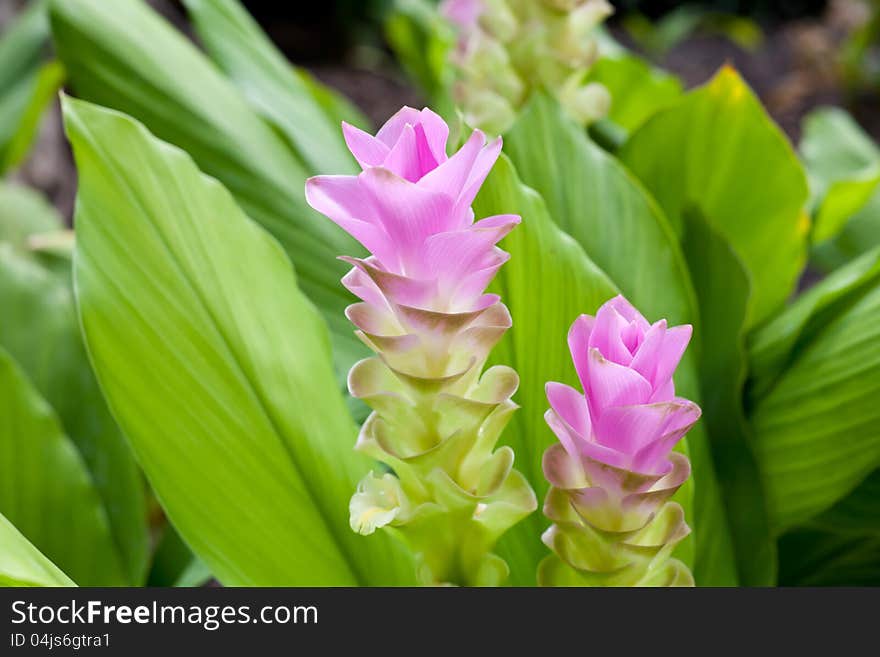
(796, 55)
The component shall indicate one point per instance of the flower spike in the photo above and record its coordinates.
(424, 312)
(507, 48)
(612, 473)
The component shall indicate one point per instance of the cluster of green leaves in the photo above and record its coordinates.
(201, 340)
(71, 494)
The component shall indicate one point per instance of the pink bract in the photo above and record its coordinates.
(410, 208)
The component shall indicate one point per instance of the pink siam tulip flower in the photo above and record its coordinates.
(614, 466)
(425, 312)
(410, 207)
(629, 416)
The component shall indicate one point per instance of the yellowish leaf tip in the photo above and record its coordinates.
(804, 223)
(728, 84)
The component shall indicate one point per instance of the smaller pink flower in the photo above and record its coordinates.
(628, 416)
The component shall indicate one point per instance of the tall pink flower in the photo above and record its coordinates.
(614, 469)
(425, 312)
(411, 208)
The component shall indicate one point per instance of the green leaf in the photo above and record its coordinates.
(817, 427)
(41, 331)
(662, 35)
(334, 104)
(593, 198)
(844, 168)
(216, 367)
(23, 44)
(194, 575)
(857, 513)
(845, 198)
(773, 347)
(26, 86)
(172, 559)
(45, 488)
(21, 111)
(423, 40)
(21, 564)
(843, 164)
(811, 557)
(637, 89)
(127, 58)
(546, 284)
(840, 547)
(719, 152)
(23, 213)
(238, 45)
(174, 563)
(861, 233)
(723, 291)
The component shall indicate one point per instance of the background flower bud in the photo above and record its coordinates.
(513, 47)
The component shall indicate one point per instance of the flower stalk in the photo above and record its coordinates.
(612, 474)
(437, 415)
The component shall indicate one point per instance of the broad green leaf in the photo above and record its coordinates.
(722, 288)
(861, 233)
(717, 151)
(834, 146)
(817, 428)
(126, 57)
(840, 547)
(637, 89)
(21, 564)
(216, 367)
(593, 198)
(773, 347)
(238, 45)
(40, 329)
(24, 212)
(844, 199)
(844, 168)
(546, 284)
(45, 488)
(25, 85)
